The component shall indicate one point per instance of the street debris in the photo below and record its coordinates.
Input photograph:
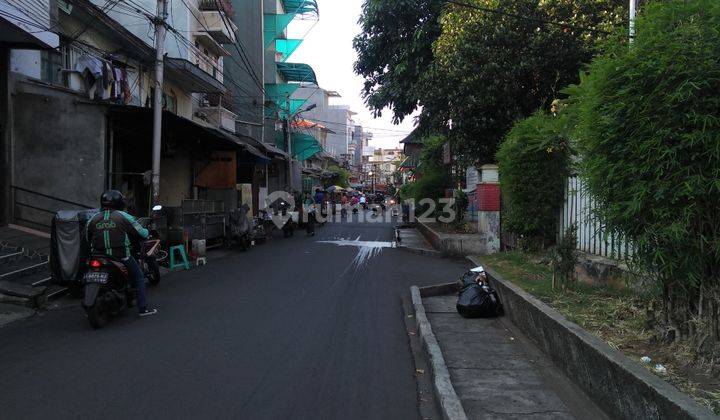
(660, 369)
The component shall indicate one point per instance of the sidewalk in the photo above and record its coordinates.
(497, 373)
(413, 241)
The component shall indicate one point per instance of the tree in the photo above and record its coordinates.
(648, 136)
(433, 177)
(534, 160)
(492, 69)
(341, 177)
(394, 49)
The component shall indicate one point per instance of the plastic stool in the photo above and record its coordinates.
(183, 257)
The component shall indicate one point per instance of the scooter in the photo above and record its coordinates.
(107, 288)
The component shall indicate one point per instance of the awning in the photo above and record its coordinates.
(273, 151)
(297, 72)
(307, 124)
(235, 140)
(192, 77)
(415, 137)
(285, 47)
(304, 146)
(184, 128)
(20, 30)
(274, 26)
(301, 7)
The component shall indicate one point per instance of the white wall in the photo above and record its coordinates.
(25, 62)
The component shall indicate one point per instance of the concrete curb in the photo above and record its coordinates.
(618, 385)
(421, 251)
(448, 400)
(12, 313)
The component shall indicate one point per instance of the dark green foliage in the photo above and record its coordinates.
(649, 135)
(534, 164)
(394, 49)
(433, 176)
(564, 259)
(491, 70)
(341, 177)
(460, 205)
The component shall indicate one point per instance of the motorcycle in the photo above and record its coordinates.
(107, 287)
(258, 232)
(288, 228)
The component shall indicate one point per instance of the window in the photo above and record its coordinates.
(169, 100)
(50, 66)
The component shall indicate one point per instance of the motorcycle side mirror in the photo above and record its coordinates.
(157, 208)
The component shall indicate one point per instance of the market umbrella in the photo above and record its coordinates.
(335, 188)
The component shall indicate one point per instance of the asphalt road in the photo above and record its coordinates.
(295, 328)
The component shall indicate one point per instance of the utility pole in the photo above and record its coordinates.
(158, 99)
(288, 141)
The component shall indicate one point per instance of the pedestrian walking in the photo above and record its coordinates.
(310, 208)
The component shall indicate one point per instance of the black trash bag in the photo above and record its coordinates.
(68, 246)
(478, 301)
(469, 278)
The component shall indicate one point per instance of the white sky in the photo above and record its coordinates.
(328, 49)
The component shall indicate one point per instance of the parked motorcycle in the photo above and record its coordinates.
(240, 229)
(108, 289)
(258, 232)
(288, 228)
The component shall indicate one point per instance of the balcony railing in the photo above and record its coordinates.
(217, 5)
(219, 26)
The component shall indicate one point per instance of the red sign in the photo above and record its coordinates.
(488, 197)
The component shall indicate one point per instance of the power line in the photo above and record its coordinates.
(240, 48)
(399, 132)
(202, 24)
(189, 44)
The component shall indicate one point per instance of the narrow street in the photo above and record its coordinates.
(296, 328)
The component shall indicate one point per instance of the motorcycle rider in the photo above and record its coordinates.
(112, 232)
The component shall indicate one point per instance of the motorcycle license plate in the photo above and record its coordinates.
(96, 277)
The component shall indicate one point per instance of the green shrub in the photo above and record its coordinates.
(564, 259)
(433, 176)
(649, 136)
(533, 161)
(460, 206)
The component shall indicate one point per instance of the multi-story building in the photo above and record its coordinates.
(94, 94)
(281, 79)
(336, 117)
(29, 31)
(383, 165)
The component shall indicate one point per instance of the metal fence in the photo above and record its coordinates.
(592, 236)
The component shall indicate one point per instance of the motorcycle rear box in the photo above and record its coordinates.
(68, 246)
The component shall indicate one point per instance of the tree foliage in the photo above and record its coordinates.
(433, 176)
(341, 177)
(648, 134)
(534, 161)
(492, 69)
(394, 49)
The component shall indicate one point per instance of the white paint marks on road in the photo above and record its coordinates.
(367, 250)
